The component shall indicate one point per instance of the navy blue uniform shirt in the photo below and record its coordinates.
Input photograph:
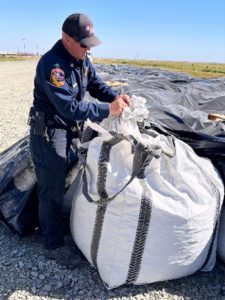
(60, 85)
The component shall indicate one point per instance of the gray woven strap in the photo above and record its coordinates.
(140, 238)
(97, 231)
(141, 159)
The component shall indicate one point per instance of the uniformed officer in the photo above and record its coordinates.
(63, 76)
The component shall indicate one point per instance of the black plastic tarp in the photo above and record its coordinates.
(178, 104)
(18, 201)
(18, 189)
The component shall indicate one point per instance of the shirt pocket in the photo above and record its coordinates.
(75, 89)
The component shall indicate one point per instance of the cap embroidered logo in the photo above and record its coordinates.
(90, 29)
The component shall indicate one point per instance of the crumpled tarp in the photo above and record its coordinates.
(18, 189)
(18, 200)
(178, 104)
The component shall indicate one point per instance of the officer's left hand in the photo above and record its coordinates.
(125, 98)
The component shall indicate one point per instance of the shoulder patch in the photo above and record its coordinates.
(57, 77)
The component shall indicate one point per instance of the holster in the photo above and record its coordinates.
(37, 122)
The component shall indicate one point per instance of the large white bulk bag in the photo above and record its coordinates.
(221, 236)
(147, 208)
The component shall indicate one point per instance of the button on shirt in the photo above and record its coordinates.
(60, 85)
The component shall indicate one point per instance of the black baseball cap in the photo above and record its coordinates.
(80, 27)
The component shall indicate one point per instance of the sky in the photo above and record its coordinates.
(171, 30)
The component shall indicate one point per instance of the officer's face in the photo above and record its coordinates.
(76, 49)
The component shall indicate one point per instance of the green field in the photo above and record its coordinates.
(12, 58)
(204, 70)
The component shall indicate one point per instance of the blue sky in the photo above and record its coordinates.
(177, 30)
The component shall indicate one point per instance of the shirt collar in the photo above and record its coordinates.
(60, 47)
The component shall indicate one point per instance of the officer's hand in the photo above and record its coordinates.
(117, 106)
(126, 98)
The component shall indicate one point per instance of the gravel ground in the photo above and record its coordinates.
(26, 274)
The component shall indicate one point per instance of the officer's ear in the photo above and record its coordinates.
(65, 37)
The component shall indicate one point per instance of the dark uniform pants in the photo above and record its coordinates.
(52, 157)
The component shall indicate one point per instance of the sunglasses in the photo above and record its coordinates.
(82, 45)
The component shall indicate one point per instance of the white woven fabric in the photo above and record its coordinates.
(159, 227)
(127, 123)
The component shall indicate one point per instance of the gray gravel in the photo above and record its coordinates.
(26, 274)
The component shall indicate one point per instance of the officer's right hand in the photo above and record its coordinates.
(117, 106)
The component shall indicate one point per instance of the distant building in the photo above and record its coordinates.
(4, 53)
